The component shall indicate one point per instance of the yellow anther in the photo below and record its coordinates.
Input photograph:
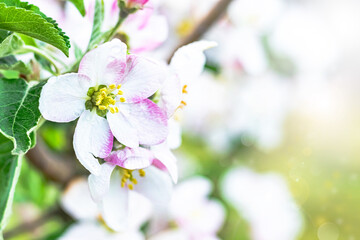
(184, 89)
(103, 90)
(122, 184)
(112, 101)
(112, 110)
(102, 107)
(130, 186)
(120, 92)
(134, 180)
(183, 103)
(119, 86)
(116, 109)
(142, 173)
(127, 175)
(122, 99)
(112, 86)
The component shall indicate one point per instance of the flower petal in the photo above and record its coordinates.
(171, 94)
(167, 158)
(77, 202)
(131, 158)
(114, 205)
(92, 138)
(62, 98)
(149, 121)
(122, 128)
(99, 184)
(105, 64)
(89, 229)
(143, 78)
(189, 60)
(156, 186)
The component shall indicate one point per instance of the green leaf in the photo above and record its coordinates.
(10, 44)
(19, 111)
(9, 173)
(27, 19)
(10, 63)
(96, 34)
(79, 4)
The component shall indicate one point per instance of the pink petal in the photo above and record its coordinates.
(149, 121)
(167, 158)
(63, 98)
(131, 158)
(105, 64)
(143, 77)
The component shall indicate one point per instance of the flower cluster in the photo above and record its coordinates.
(124, 103)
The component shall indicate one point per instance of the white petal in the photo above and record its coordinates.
(89, 230)
(105, 64)
(166, 157)
(114, 205)
(171, 94)
(149, 120)
(143, 78)
(92, 138)
(77, 202)
(189, 60)
(63, 98)
(156, 186)
(140, 210)
(122, 128)
(99, 184)
(174, 137)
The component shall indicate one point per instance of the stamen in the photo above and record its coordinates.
(119, 86)
(130, 186)
(141, 172)
(122, 99)
(112, 110)
(112, 86)
(120, 92)
(101, 107)
(184, 89)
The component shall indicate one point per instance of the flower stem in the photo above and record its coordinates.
(115, 28)
(42, 53)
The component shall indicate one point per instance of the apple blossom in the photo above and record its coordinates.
(77, 202)
(110, 189)
(265, 202)
(195, 216)
(109, 84)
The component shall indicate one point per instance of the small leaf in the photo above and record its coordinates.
(10, 44)
(19, 111)
(96, 34)
(79, 4)
(9, 172)
(27, 19)
(10, 63)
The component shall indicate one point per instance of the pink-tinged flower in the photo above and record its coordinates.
(109, 84)
(111, 188)
(76, 201)
(195, 216)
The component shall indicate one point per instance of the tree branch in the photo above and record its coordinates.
(203, 26)
(53, 168)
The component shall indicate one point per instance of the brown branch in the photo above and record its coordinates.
(203, 26)
(52, 166)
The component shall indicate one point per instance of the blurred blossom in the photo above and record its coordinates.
(265, 202)
(262, 105)
(194, 215)
(259, 15)
(76, 201)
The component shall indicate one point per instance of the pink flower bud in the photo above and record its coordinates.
(137, 3)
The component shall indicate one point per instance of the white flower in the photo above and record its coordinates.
(265, 202)
(195, 216)
(113, 84)
(77, 202)
(112, 187)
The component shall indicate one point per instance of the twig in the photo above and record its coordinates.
(53, 168)
(200, 29)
